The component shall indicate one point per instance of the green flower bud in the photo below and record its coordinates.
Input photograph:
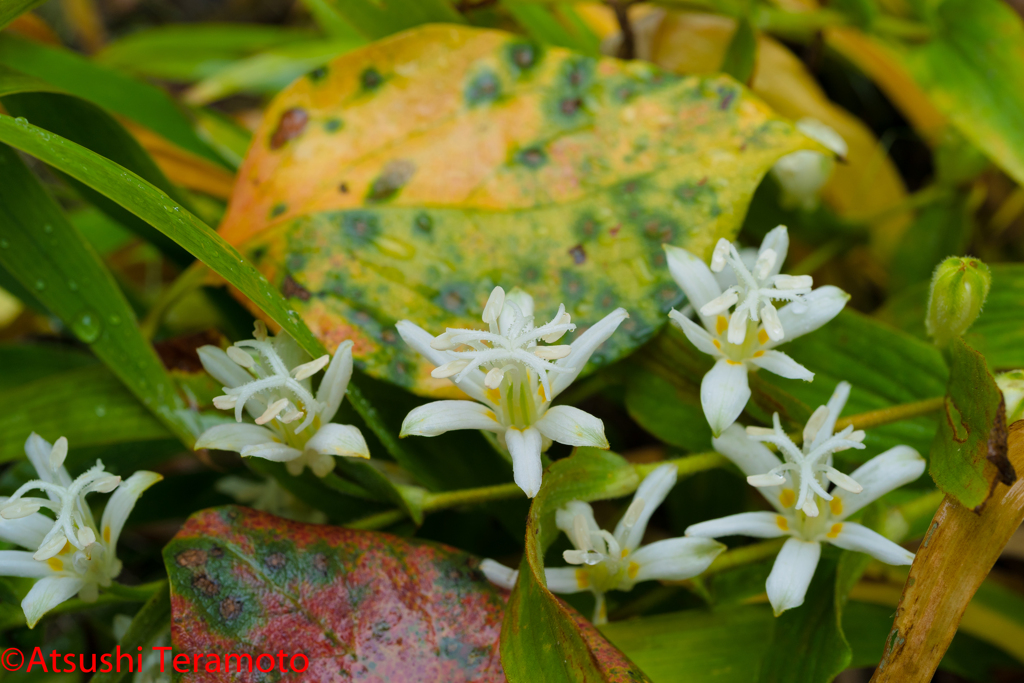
(959, 289)
(1012, 385)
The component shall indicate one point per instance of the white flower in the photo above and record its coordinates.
(513, 379)
(270, 379)
(606, 561)
(802, 174)
(746, 339)
(791, 487)
(86, 558)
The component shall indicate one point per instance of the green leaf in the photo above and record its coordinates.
(144, 104)
(269, 71)
(523, 173)
(997, 332)
(25, 363)
(940, 229)
(148, 623)
(973, 70)
(741, 55)
(670, 411)
(972, 431)
(88, 405)
(12, 9)
(357, 604)
(542, 25)
(88, 125)
(190, 52)
(540, 640)
(330, 20)
(379, 18)
(48, 255)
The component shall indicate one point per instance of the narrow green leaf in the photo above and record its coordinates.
(378, 18)
(48, 255)
(972, 431)
(671, 412)
(153, 619)
(330, 20)
(11, 9)
(88, 125)
(160, 211)
(144, 104)
(25, 363)
(540, 642)
(543, 26)
(741, 55)
(88, 405)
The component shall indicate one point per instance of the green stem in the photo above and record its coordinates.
(186, 283)
(379, 520)
(745, 555)
(686, 465)
(483, 494)
(923, 197)
(904, 411)
(820, 256)
(141, 592)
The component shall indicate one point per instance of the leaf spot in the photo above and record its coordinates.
(292, 123)
(193, 557)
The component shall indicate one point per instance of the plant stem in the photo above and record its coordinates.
(186, 283)
(904, 411)
(686, 465)
(483, 494)
(744, 555)
(377, 520)
(141, 592)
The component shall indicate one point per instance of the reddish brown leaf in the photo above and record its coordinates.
(360, 605)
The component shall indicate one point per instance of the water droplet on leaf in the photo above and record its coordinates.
(87, 327)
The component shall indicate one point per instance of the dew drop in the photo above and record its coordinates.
(40, 285)
(115, 320)
(87, 327)
(48, 228)
(72, 285)
(101, 411)
(4, 244)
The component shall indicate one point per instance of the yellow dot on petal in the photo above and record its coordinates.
(625, 551)
(68, 548)
(762, 336)
(490, 414)
(106, 534)
(540, 391)
(836, 528)
(733, 362)
(781, 522)
(55, 564)
(494, 395)
(633, 569)
(582, 578)
(787, 498)
(718, 344)
(758, 354)
(836, 506)
(721, 324)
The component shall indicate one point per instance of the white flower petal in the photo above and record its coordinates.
(652, 490)
(782, 365)
(565, 520)
(756, 524)
(121, 504)
(499, 574)
(777, 240)
(566, 579)
(897, 466)
(47, 593)
(275, 452)
(791, 574)
(335, 382)
(419, 339)
(697, 335)
(527, 469)
(752, 457)
(27, 532)
(234, 437)
(38, 451)
(695, 279)
(335, 439)
(573, 427)
(583, 348)
(822, 304)
(853, 536)
(438, 417)
(674, 559)
(835, 406)
(21, 563)
(227, 372)
(724, 393)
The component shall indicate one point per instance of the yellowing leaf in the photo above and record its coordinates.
(408, 178)
(183, 167)
(866, 185)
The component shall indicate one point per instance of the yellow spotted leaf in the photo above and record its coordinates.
(406, 179)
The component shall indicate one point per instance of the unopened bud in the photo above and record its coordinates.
(1012, 385)
(959, 289)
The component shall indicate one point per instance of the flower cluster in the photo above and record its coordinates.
(512, 379)
(68, 554)
(269, 377)
(604, 561)
(793, 486)
(745, 339)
